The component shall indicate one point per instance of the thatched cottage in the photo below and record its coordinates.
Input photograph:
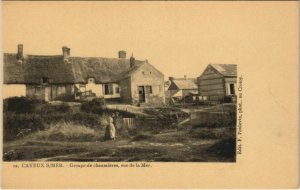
(218, 82)
(63, 77)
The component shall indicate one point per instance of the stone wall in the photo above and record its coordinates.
(147, 75)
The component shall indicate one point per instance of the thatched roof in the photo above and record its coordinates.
(78, 70)
(12, 71)
(102, 69)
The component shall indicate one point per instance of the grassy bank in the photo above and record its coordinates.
(62, 132)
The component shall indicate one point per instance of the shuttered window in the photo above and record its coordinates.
(148, 89)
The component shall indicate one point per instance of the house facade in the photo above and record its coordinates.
(63, 77)
(180, 88)
(218, 82)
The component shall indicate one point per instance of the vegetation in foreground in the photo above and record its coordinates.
(69, 133)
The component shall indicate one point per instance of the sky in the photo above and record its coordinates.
(178, 38)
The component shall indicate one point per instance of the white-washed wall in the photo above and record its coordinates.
(115, 94)
(98, 89)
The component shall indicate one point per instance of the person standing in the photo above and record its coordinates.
(115, 120)
(110, 131)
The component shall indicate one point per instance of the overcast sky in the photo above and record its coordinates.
(179, 38)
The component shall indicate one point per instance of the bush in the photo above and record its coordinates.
(21, 104)
(62, 108)
(16, 126)
(66, 131)
(97, 105)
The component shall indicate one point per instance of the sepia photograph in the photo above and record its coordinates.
(149, 94)
(95, 86)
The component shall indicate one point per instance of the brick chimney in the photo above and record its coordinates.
(171, 78)
(122, 54)
(132, 61)
(20, 53)
(66, 53)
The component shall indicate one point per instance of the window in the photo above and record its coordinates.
(38, 90)
(45, 80)
(232, 90)
(148, 89)
(117, 90)
(108, 89)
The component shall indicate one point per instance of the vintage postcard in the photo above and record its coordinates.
(150, 94)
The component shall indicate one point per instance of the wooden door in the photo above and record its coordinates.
(141, 91)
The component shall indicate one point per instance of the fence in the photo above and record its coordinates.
(152, 122)
(128, 122)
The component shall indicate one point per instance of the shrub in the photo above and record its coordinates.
(21, 104)
(66, 131)
(65, 97)
(49, 108)
(16, 126)
(95, 106)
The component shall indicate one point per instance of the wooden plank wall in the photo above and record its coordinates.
(211, 84)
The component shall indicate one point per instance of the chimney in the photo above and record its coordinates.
(66, 53)
(20, 53)
(122, 54)
(184, 77)
(171, 78)
(132, 61)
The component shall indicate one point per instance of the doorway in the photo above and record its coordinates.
(141, 90)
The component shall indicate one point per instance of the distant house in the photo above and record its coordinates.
(218, 82)
(62, 77)
(179, 88)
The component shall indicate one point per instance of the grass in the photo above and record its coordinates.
(63, 131)
(167, 146)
